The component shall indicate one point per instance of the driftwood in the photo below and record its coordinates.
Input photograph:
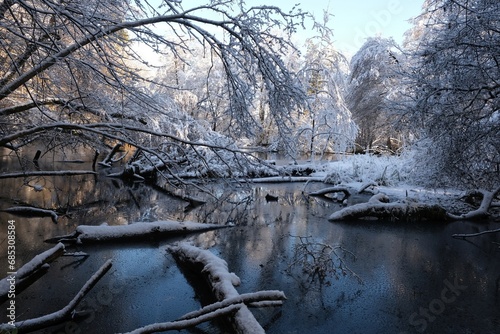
(379, 207)
(24, 275)
(63, 314)
(134, 231)
(221, 281)
(29, 211)
(226, 307)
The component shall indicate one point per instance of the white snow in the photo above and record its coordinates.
(33, 265)
(106, 232)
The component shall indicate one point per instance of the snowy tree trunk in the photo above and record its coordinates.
(221, 281)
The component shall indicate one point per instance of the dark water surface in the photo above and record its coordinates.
(410, 278)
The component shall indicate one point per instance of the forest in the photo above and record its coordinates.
(218, 108)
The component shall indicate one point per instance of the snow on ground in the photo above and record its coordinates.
(394, 176)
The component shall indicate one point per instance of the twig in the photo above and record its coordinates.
(469, 235)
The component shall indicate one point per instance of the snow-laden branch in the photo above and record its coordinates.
(61, 315)
(28, 211)
(221, 281)
(134, 231)
(32, 266)
(482, 211)
(224, 308)
(336, 189)
(379, 207)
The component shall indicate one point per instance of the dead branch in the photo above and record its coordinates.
(221, 281)
(483, 211)
(29, 211)
(336, 189)
(31, 268)
(470, 235)
(46, 173)
(134, 231)
(226, 307)
(399, 211)
(366, 186)
(64, 313)
(109, 158)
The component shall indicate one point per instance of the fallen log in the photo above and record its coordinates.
(134, 231)
(379, 207)
(221, 281)
(63, 314)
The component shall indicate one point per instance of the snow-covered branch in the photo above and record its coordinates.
(482, 211)
(134, 231)
(64, 313)
(221, 281)
(379, 207)
(224, 308)
(32, 267)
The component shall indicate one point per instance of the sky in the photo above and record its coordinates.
(355, 20)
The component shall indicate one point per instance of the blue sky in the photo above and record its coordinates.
(355, 20)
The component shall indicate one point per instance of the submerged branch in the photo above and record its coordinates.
(61, 315)
(224, 308)
(470, 235)
(28, 270)
(46, 173)
(28, 211)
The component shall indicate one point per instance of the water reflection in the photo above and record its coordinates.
(403, 268)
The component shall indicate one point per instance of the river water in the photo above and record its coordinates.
(384, 278)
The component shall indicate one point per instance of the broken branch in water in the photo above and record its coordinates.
(30, 269)
(469, 235)
(482, 211)
(215, 310)
(46, 173)
(29, 211)
(221, 281)
(61, 315)
(134, 231)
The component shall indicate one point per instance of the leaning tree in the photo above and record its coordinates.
(72, 73)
